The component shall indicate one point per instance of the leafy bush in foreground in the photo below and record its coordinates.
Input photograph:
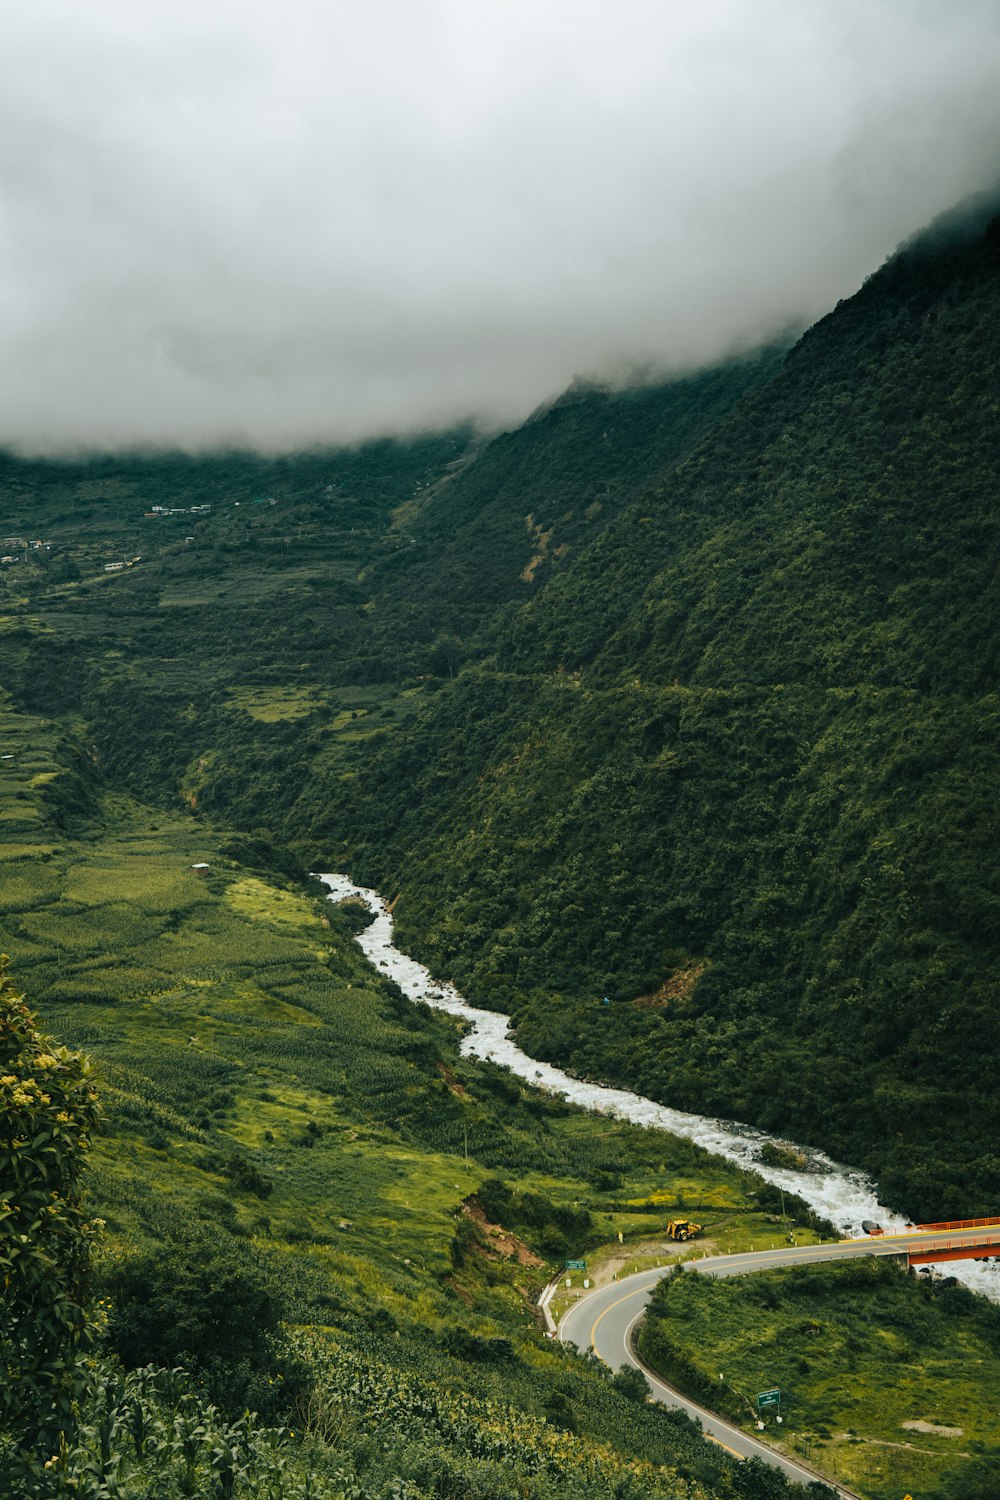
(47, 1109)
(213, 1308)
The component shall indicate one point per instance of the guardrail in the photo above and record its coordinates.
(959, 1224)
(970, 1247)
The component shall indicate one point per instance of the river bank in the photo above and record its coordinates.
(841, 1194)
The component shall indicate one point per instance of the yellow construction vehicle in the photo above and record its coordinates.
(682, 1229)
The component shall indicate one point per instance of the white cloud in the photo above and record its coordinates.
(313, 221)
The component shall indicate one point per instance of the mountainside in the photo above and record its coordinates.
(253, 600)
(294, 1289)
(737, 766)
(510, 514)
(683, 697)
(731, 763)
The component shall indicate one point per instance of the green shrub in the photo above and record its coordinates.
(47, 1110)
(213, 1310)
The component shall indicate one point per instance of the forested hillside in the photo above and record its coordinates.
(274, 1274)
(737, 766)
(288, 1195)
(510, 513)
(681, 695)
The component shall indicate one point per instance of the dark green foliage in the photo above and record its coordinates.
(467, 1346)
(47, 1111)
(743, 750)
(249, 1178)
(498, 525)
(553, 1228)
(203, 1305)
(631, 1383)
(187, 1303)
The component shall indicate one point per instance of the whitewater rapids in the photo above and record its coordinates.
(843, 1195)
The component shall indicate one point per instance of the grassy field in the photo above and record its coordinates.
(263, 1088)
(263, 1085)
(889, 1381)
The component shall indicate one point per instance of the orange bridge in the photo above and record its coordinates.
(956, 1239)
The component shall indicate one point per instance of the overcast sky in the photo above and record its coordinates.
(287, 223)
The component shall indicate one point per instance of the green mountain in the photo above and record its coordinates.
(294, 1164)
(682, 695)
(287, 1196)
(730, 761)
(736, 767)
(510, 513)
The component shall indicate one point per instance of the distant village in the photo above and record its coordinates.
(155, 511)
(14, 545)
(16, 548)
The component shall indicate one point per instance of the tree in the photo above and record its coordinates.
(191, 1302)
(214, 1308)
(47, 1111)
(446, 655)
(632, 1383)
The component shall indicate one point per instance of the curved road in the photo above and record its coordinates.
(604, 1319)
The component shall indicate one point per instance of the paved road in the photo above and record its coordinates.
(604, 1319)
(915, 1241)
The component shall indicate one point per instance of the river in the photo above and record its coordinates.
(843, 1195)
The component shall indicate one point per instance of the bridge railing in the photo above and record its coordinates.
(960, 1224)
(980, 1244)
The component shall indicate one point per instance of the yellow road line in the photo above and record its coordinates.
(713, 1439)
(611, 1307)
(714, 1415)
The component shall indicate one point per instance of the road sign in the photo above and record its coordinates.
(768, 1398)
(576, 1265)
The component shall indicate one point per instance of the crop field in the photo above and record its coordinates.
(262, 1085)
(273, 705)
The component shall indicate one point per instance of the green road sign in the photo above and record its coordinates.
(768, 1398)
(576, 1265)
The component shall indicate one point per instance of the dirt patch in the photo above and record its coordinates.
(619, 1260)
(541, 539)
(454, 1087)
(675, 990)
(850, 1437)
(497, 1242)
(935, 1427)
